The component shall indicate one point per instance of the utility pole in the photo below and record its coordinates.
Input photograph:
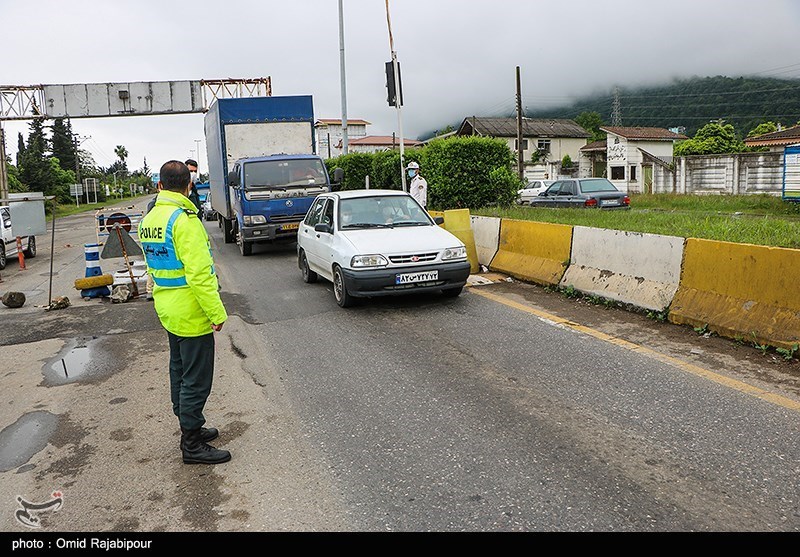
(3, 176)
(197, 144)
(398, 98)
(343, 79)
(520, 150)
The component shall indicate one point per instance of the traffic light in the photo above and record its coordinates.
(391, 87)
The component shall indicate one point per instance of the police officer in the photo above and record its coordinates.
(419, 186)
(187, 301)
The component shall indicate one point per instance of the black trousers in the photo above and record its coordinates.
(191, 369)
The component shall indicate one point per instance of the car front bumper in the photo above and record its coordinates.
(382, 282)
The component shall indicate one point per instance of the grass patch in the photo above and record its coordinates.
(749, 219)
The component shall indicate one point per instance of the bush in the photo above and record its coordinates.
(462, 172)
(469, 172)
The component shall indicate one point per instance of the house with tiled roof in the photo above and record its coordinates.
(376, 143)
(330, 134)
(776, 141)
(546, 140)
(636, 157)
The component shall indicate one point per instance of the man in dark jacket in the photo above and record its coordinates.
(193, 195)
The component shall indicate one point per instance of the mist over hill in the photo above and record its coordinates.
(691, 103)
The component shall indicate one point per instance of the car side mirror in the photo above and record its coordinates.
(324, 228)
(438, 220)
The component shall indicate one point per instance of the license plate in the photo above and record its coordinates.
(291, 226)
(410, 278)
(610, 202)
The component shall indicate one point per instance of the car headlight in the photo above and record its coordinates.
(360, 261)
(254, 219)
(454, 253)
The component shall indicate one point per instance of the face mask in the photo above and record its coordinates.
(412, 173)
(194, 176)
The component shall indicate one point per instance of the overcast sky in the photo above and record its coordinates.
(458, 57)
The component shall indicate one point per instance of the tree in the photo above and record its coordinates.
(761, 129)
(122, 153)
(63, 143)
(20, 148)
(34, 168)
(591, 122)
(712, 139)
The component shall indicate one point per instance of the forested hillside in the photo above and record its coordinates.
(744, 102)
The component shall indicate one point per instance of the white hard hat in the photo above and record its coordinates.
(411, 165)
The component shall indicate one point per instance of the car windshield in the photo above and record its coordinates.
(284, 174)
(391, 211)
(596, 185)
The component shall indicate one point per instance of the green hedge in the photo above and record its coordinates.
(462, 172)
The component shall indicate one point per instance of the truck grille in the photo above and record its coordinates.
(287, 218)
(413, 258)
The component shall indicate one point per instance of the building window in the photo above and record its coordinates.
(617, 172)
(543, 145)
(633, 173)
(524, 144)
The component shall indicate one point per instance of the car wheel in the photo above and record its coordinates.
(2, 256)
(452, 292)
(309, 276)
(343, 298)
(30, 253)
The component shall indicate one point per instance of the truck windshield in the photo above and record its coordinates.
(284, 174)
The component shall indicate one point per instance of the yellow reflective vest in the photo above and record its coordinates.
(178, 255)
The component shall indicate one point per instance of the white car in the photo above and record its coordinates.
(378, 243)
(8, 242)
(532, 189)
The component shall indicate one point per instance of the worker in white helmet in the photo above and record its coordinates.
(419, 186)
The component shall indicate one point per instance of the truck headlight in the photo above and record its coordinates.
(454, 253)
(360, 261)
(250, 220)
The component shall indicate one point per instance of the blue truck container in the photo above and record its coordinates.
(264, 172)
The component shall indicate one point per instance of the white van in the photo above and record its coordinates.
(8, 241)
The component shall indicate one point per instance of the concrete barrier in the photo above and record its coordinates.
(630, 267)
(486, 231)
(533, 251)
(740, 291)
(457, 222)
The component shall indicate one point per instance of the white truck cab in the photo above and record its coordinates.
(8, 241)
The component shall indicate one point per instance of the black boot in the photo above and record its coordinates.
(206, 434)
(197, 451)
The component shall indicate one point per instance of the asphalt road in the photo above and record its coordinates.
(510, 408)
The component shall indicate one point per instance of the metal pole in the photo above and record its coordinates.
(52, 252)
(520, 150)
(343, 79)
(197, 144)
(398, 98)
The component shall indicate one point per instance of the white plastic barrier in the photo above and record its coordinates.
(486, 231)
(643, 270)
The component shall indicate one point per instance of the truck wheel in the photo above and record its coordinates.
(245, 247)
(227, 231)
(309, 276)
(2, 256)
(30, 253)
(343, 298)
